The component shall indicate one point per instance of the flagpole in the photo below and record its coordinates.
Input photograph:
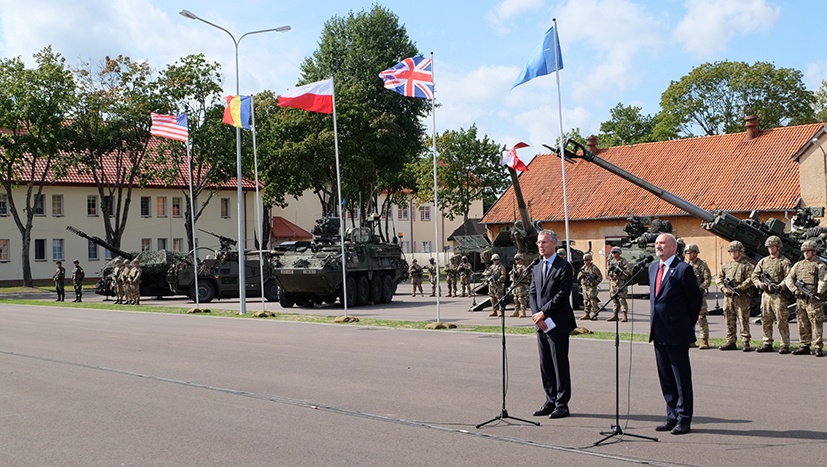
(258, 204)
(436, 198)
(192, 224)
(561, 142)
(339, 185)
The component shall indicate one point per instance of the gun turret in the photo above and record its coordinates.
(98, 241)
(226, 242)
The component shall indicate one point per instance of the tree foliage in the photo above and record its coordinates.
(627, 126)
(820, 106)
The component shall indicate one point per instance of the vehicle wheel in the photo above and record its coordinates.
(308, 303)
(351, 292)
(376, 289)
(388, 289)
(271, 291)
(286, 300)
(330, 300)
(362, 291)
(206, 291)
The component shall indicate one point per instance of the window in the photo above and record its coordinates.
(39, 249)
(57, 249)
(92, 251)
(4, 205)
(4, 249)
(107, 255)
(161, 206)
(424, 213)
(145, 206)
(406, 246)
(225, 208)
(176, 207)
(162, 244)
(106, 206)
(57, 206)
(178, 244)
(402, 213)
(39, 209)
(146, 244)
(388, 212)
(426, 246)
(92, 206)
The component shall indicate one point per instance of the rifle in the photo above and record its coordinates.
(727, 285)
(765, 279)
(618, 271)
(225, 241)
(802, 287)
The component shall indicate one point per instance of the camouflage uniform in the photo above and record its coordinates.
(134, 279)
(77, 280)
(809, 311)
(465, 275)
(704, 276)
(520, 289)
(415, 272)
(619, 272)
(123, 278)
(768, 277)
(60, 277)
(451, 272)
(432, 276)
(496, 283)
(590, 278)
(117, 282)
(737, 273)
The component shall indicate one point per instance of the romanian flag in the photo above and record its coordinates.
(315, 97)
(237, 112)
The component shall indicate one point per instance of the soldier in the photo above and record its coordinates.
(135, 283)
(704, 276)
(77, 280)
(808, 281)
(734, 279)
(465, 275)
(123, 279)
(561, 252)
(59, 277)
(589, 277)
(521, 288)
(451, 272)
(495, 275)
(768, 276)
(416, 277)
(117, 282)
(432, 275)
(619, 272)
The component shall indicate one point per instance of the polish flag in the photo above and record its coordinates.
(510, 158)
(314, 97)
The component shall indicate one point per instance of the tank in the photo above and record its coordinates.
(218, 273)
(154, 266)
(312, 274)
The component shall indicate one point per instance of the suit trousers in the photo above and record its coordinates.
(554, 367)
(675, 374)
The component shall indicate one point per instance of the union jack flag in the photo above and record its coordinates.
(411, 77)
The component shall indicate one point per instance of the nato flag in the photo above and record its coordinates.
(543, 59)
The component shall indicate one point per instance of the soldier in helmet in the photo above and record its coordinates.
(734, 279)
(704, 276)
(451, 273)
(117, 282)
(123, 278)
(808, 281)
(465, 275)
(416, 278)
(589, 277)
(495, 274)
(77, 280)
(768, 276)
(619, 272)
(561, 252)
(521, 288)
(432, 275)
(134, 280)
(60, 277)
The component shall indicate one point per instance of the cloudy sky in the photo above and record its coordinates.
(614, 51)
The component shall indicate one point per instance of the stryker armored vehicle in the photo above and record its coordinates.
(309, 275)
(218, 273)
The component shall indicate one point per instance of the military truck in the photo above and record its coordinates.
(310, 275)
(218, 273)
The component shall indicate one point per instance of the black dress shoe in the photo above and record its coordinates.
(544, 410)
(560, 412)
(681, 429)
(667, 425)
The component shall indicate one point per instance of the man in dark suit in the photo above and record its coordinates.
(675, 304)
(548, 297)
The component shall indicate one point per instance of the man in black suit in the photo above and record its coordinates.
(675, 304)
(548, 297)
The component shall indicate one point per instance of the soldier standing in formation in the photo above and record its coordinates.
(561, 252)
(117, 282)
(59, 277)
(123, 279)
(134, 279)
(768, 276)
(415, 272)
(451, 271)
(465, 275)
(734, 279)
(619, 272)
(704, 276)
(77, 280)
(496, 284)
(432, 276)
(589, 277)
(808, 281)
(521, 288)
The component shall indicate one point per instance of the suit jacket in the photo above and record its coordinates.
(674, 311)
(551, 297)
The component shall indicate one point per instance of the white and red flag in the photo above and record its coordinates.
(313, 97)
(510, 158)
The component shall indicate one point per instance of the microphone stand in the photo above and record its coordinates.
(616, 429)
(504, 413)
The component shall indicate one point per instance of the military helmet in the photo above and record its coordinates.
(76, 261)
(693, 247)
(773, 241)
(561, 251)
(495, 257)
(431, 260)
(464, 258)
(414, 260)
(809, 245)
(587, 257)
(735, 245)
(518, 256)
(616, 249)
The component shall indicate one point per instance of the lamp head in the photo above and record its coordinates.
(187, 14)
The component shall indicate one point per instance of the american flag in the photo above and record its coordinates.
(170, 126)
(411, 77)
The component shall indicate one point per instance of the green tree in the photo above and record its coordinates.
(716, 96)
(820, 106)
(33, 113)
(627, 126)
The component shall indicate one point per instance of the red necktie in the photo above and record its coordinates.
(659, 279)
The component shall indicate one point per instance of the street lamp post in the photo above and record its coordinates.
(242, 285)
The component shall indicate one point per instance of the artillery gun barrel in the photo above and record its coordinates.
(98, 241)
(521, 205)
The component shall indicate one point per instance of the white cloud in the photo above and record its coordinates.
(500, 15)
(815, 74)
(710, 24)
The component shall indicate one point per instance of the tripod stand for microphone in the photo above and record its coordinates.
(616, 429)
(504, 414)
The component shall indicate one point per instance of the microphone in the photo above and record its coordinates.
(534, 263)
(646, 260)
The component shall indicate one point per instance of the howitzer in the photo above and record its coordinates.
(802, 288)
(729, 287)
(100, 242)
(226, 242)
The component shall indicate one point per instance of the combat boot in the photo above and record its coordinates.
(613, 317)
(585, 317)
(624, 318)
(522, 313)
(803, 350)
(515, 314)
(764, 348)
(704, 344)
(493, 313)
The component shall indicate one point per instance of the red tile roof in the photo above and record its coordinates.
(714, 172)
(282, 229)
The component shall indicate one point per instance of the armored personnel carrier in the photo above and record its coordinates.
(639, 244)
(309, 275)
